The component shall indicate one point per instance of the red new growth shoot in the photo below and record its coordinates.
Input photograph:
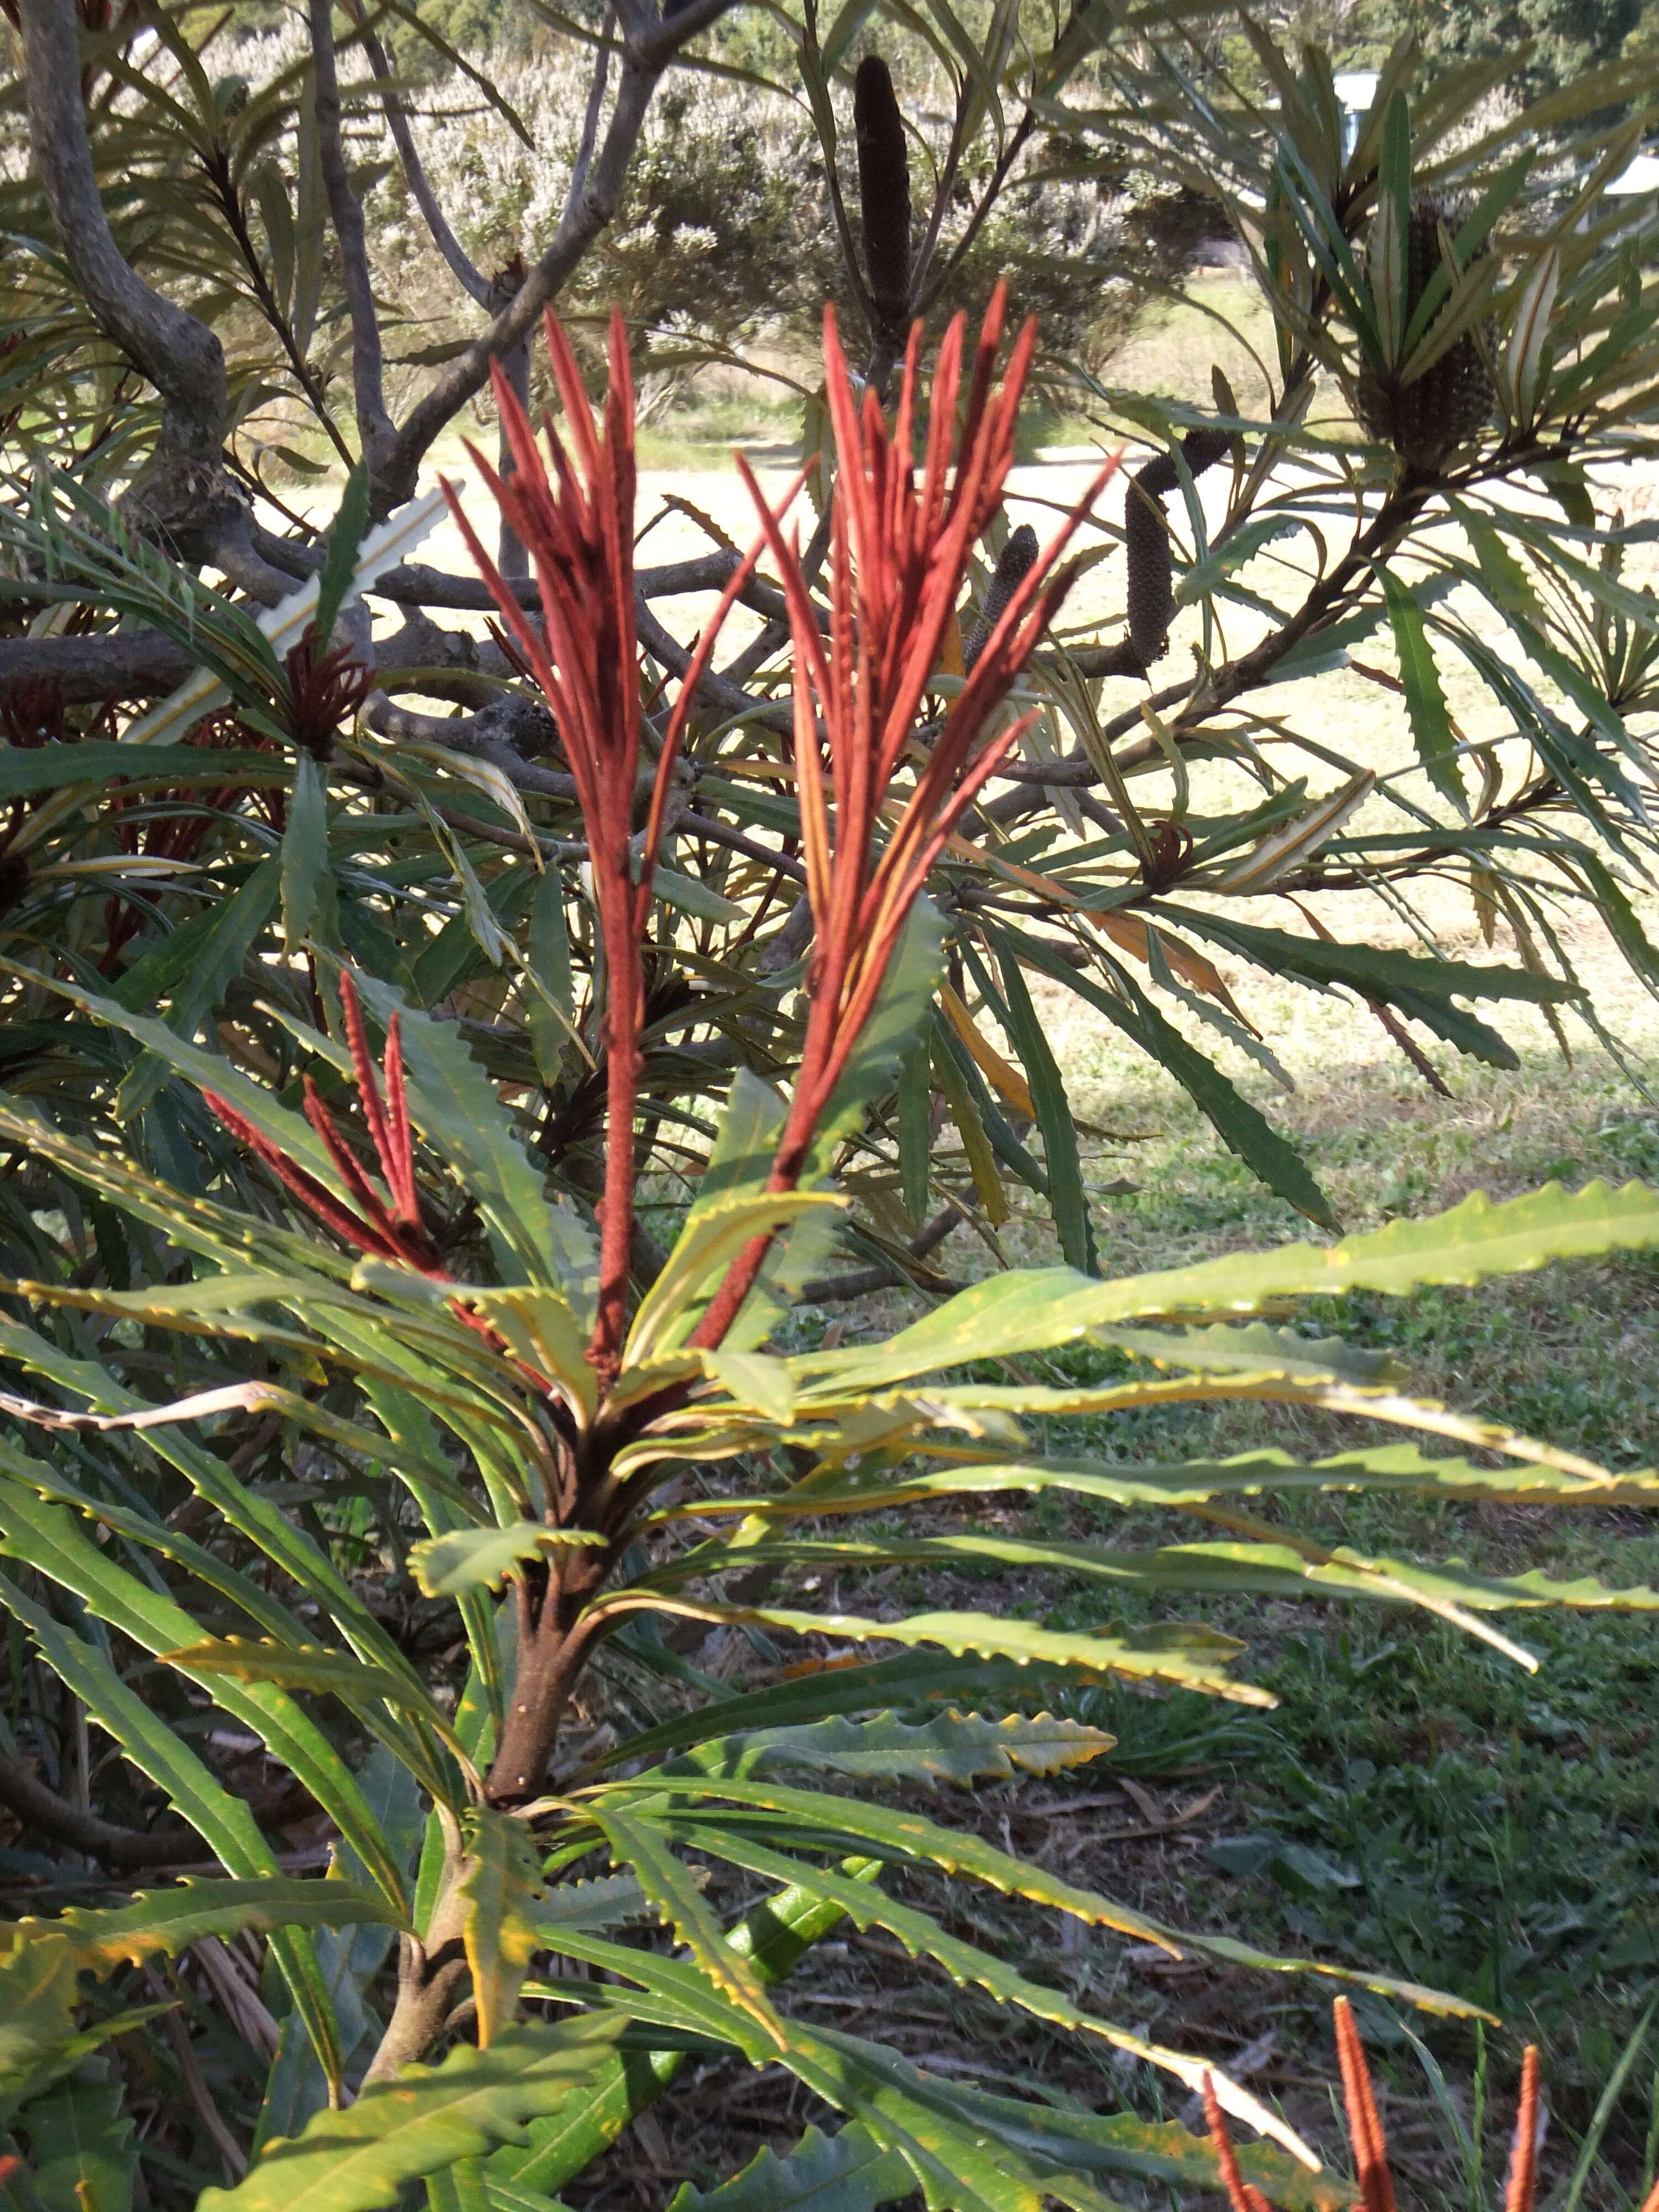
(900, 549)
(389, 1232)
(577, 524)
(1370, 2156)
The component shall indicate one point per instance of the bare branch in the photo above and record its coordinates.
(511, 558)
(830, 1288)
(722, 833)
(185, 483)
(141, 664)
(45, 1811)
(659, 44)
(395, 470)
(730, 697)
(374, 425)
(495, 733)
(595, 108)
(471, 279)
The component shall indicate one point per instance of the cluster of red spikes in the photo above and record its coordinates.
(900, 551)
(388, 1228)
(577, 524)
(1368, 2144)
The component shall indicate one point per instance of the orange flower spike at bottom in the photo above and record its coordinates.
(1364, 2124)
(1240, 2194)
(1524, 2156)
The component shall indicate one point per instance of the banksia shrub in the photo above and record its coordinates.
(1151, 608)
(1428, 420)
(884, 200)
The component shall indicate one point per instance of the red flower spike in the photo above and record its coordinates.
(344, 1162)
(1364, 2124)
(578, 526)
(400, 1157)
(396, 1233)
(1241, 2195)
(305, 1187)
(899, 554)
(1650, 2205)
(1523, 2154)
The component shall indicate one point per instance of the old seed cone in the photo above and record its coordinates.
(1427, 421)
(884, 196)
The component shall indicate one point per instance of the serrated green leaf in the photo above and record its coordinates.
(160, 1923)
(1257, 1348)
(1236, 1122)
(39, 2043)
(1187, 1658)
(345, 535)
(960, 1747)
(668, 1884)
(1030, 1309)
(774, 1935)
(86, 2158)
(501, 1884)
(1054, 1115)
(27, 772)
(913, 1679)
(704, 1250)
(298, 1667)
(900, 1017)
(309, 905)
(427, 2118)
(1156, 2151)
(605, 1902)
(1425, 699)
(848, 2171)
(483, 1559)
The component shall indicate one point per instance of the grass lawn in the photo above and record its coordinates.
(1418, 1803)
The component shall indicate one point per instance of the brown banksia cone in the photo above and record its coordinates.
(1013, 566)
(884, 198)
(1146, 542)
(1451, 403)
